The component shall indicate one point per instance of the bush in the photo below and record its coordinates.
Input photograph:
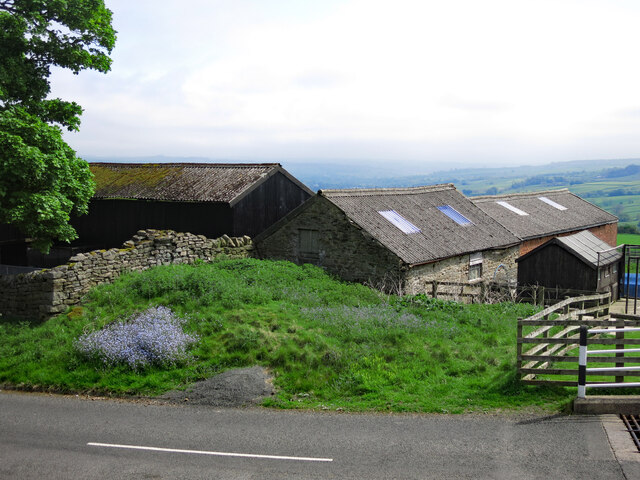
(153, 337)
(629, 228)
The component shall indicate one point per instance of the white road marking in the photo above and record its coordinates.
(204, 452)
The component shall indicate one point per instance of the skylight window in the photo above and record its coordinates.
(552, 203)
(512, 208)
(455, 215)
(399, 221)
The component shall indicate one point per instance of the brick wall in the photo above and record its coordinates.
(607, 233)
(41, 294)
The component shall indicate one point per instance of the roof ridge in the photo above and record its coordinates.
(184, 164)
(517, 195)
(357, 192)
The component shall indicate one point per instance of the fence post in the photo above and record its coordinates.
(582, 363)
(620, 335)
(434, 289)
(519, 348)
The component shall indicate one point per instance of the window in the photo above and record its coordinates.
(399, 221)
(455, 215)
(308, 242)
(512, 208)
(548, 201)
(475, 266)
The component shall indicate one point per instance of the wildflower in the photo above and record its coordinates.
(153, 337)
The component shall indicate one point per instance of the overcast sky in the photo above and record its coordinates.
(488, 82)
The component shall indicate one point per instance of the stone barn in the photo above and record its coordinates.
(537, 217)
(393, 238)
(580, 262)
(210, 199)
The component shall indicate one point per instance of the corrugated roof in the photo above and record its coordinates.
(543, 218)
(439, 236)
(586, 246)
(188, 182)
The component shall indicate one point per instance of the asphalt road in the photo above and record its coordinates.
(55, 437)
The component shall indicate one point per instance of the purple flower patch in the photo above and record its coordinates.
(153, 337)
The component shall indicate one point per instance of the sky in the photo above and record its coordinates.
(491, 82)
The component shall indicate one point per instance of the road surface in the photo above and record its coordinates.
(57, 437)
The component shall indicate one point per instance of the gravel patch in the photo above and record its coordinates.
(234, 388)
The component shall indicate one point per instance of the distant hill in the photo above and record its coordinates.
(613, 185)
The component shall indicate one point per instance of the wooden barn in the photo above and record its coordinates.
(394, 238)
(537, 217)
(210, 199)
(580, 262)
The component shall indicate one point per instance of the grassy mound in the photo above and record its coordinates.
(329, 344)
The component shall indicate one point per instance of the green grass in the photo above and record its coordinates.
(628, 238)
(329, 344)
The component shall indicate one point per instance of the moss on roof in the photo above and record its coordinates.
(149, 175)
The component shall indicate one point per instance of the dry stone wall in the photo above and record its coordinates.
(41, 294)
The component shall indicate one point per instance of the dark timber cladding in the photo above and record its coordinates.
(578, 262)
(202, 198)
(210, 199)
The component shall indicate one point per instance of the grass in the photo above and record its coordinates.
(628, 238)
(329, 344)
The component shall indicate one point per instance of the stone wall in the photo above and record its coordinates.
(350, 253)
(343, 249)
(41, 294)
(456, 269)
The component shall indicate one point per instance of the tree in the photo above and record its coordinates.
(42, 182)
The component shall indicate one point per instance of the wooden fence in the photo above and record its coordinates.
(551, 337)
(467, 292)
(492, 292)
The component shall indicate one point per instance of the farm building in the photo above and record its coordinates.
(537, 217)
(580, 262)
(393, 238)
(202, 198)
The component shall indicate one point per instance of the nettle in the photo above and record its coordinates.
(153, 337)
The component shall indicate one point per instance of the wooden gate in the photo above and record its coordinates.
(547, 348)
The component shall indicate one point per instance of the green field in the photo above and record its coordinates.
(329, 344)
(628, 238)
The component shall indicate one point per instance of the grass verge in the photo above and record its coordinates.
(328, 343)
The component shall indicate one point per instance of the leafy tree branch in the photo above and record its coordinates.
(42, 182)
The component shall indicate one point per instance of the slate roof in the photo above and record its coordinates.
(584, 245)
(543, 219)
(186, 182)
(439, 236)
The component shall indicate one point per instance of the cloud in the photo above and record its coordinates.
(246, 76)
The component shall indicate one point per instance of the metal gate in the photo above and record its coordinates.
(630, 279)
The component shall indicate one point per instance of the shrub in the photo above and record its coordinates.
(153, 337)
